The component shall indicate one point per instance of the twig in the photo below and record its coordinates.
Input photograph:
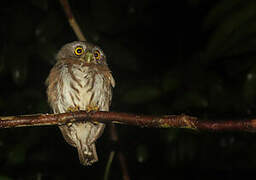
(72, 20)
(114, 137)
(167, 121)
(107, 170)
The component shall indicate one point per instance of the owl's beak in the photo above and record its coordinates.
(88, 57)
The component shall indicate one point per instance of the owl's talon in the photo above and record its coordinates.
(91, 108)
(73, 109)
(86, 83)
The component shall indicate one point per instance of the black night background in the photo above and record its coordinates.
(194, 57)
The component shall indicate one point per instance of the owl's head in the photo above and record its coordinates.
(83, 51)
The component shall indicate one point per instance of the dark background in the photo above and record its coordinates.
(168, 57)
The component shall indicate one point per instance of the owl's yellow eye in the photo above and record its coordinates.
(97, 55)
(79, 51)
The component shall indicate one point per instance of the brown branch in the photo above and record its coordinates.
(167, 121)
(72, 20)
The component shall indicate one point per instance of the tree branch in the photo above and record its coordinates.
(166, 121)
(72, 20)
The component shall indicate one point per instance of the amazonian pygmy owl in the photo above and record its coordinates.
(81, 80)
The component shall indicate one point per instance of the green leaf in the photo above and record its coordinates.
(232, 28)
(141, 94)
(17, 154)
(217, 13)
(191, 100)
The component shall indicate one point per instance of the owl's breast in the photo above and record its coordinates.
(83, 86)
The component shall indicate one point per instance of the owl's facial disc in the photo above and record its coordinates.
(85, 52)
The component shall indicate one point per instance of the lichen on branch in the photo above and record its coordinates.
(166, 121)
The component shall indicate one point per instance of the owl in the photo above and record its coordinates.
(81, 80)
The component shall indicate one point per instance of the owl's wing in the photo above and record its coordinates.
(53, 82)
(111, 79)
(65, 131)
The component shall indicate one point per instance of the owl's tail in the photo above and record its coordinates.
(87, 154)
(77, 136)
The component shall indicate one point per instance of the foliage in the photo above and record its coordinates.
(193, 56)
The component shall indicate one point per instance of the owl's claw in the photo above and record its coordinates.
(91, 108)
(100, 126)
(73, 109)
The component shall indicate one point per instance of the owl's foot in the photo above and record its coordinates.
(98, 127)
(92, 108)
(73, 109)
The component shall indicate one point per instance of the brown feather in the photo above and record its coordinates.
(73, 83)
